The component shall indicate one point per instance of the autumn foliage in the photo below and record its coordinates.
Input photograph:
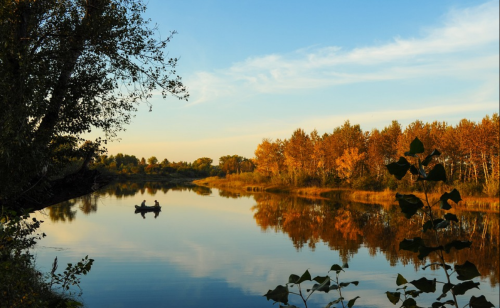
(351, 157)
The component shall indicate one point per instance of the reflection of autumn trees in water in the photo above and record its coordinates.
(65, 211)
(347, 226)
(62, 211)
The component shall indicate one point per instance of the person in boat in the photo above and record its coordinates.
(157, 204)
(143, 203)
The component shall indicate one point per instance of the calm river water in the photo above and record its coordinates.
(214, 248)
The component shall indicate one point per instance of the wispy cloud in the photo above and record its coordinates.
(463, 46)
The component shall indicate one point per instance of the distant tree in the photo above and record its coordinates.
(247, 165)
(231, 163)
(152, 160)
(349, 163)
(203, 164)
(269, 158)
(164, 163)
(298, 151)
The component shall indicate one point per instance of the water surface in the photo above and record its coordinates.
(212, 248)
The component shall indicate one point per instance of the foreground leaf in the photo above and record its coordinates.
(437, 174)
(411, 244)
(480, 302)
(279, 294)
(345, 284)
(337, 268)
(399, 168)
(351, 302)
(442, 305)
(424, 251)
(323, 284)
(400, 280)
(458, 245)
(296, 279)
(409, 204)
(453, 195)
(425, 285)
(416, 147)
(451, 217)
(466, 271)
(393, 297)
(431, 224)
(463, 287)
(409, 303)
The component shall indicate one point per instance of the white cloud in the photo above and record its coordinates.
(456, 49)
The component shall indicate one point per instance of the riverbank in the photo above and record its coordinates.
(385, 198)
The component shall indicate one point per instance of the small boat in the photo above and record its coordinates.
(146, 208)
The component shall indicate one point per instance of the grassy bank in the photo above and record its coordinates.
(386, 197)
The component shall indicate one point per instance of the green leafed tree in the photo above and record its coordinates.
(68, 67)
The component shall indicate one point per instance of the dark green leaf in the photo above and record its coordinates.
(413, 170)
(345, 284)
(400, 280)
(444, 205)
(411, 245)
(336, 301)
(463, 287)
(334, 287)
(413, 293)
(428, 159)
(451, 217)
(324, 286)
(279, 294)
(416, 147)
(440, 305)
(424, 251)
(351, 302)
(399, 168)
(337, 268)
(437, 174)
(446, 288)
(425, 285)
(458, 245)
(409, 204)
(453, 195)
(409, 303)
(466, 271)
(295, 279)
(321, 279)
(480, 302)
(393, 297)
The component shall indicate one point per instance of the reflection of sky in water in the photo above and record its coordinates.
(201, 251)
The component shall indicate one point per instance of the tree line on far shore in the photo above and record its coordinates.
(124, 164)
(348, 157)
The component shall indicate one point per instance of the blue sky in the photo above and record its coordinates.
(261, 69)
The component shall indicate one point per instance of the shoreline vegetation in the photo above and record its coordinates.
(384, 198)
